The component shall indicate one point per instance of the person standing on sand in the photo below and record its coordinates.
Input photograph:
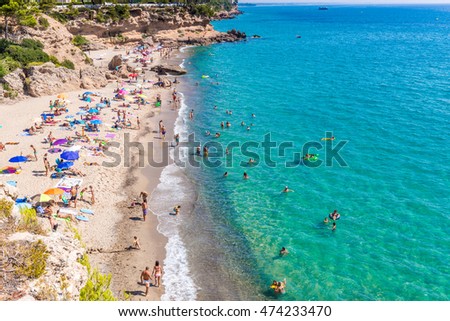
(73, 195)
(145, 279)
(157, 273)
(34, 152)
(144, 196)
(144, 209)
(138, 122)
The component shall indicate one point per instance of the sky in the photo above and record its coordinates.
(321, 2)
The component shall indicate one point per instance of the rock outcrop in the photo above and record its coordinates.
(115, 62)
(168, 70)
(64, 276)
(47, 79)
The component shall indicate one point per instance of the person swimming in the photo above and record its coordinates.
(225, 174)
(245, 175)
(283, 251)
(286, 190)
(325, 220)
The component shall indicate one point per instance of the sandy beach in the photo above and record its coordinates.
(109, 232)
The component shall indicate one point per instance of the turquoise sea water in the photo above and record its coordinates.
(376, 77)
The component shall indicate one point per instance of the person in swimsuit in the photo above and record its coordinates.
(48, 213)
(136, 244)
(334, 227)
(283, 251)
(245, 175)
(286, 190)
(144, 209)
(157, 273)
(73, 195)
(34, 152)
(145, 279)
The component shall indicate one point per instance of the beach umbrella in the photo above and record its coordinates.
(54, 191)
(18, 159)
(88, 99)
(54, 150)
(100, 105)
(93, 111)
(60, 141)
(81, 122)
(142, 96)
(44, 198)
(87, 93)
(74, 148)
(96, 122)
(62, 96)
(69, 155)
(64, 165)
(82, 112)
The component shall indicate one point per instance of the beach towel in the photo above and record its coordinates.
(12, 183)
(112, 136)
(66, 183)
(87, 211)
(25, 134)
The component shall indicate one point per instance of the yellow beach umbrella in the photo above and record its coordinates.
(62, 96)
(142, 96)
(44, 198)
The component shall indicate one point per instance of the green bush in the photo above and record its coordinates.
(34, 261)
(28, 21)
(68, 64)
(54, 60)
(26, 55)
(5, 208)
(44, 22)
(8, 65)
(32, 44)
(97, 287)
(29, 221)
(79, 41)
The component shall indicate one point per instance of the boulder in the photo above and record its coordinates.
(115, 62)
(168, 70)
(15, 81)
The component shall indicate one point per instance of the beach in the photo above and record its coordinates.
(110, 231)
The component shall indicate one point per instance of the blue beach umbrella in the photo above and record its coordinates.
(88, 99)
(93, 111)
(87, 93)
(69, 155)
(18, 159)
(96, 122)
(100, 105)
(65, 165)
(81, 122)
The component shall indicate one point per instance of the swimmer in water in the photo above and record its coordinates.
(225, 174)
(245, 175)
(253, 115)
(328, 138)
(242, 124)
(283, 251)
(207, 133)
(248, 127)
(222, 125)
(228, 124)
(198, 151)
(334, 226)
(286, 190)
(325, 220)
(217, 135)
(251, 161)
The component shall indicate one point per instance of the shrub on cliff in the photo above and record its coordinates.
(5, 208)
(79, 41)
(68, 64)
(34, 260)
(201, 10)
(43, 22)
(26, 55)
(97, 288)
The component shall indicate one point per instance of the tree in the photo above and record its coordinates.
(10, 12)
(47, 5)
(14, 10)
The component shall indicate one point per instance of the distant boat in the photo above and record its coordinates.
(323, 8)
